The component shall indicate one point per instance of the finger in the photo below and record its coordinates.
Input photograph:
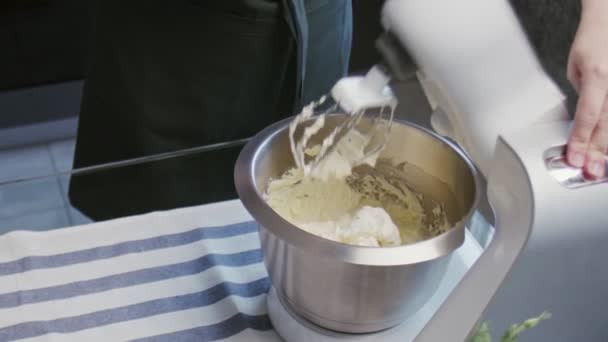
(588, 111)
(595, 165)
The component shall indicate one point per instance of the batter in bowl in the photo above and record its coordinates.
(364, 203)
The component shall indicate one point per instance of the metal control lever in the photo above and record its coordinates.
(568, 176)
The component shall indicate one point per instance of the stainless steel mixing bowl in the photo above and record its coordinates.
(349, 288)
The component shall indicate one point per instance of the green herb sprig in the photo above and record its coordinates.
(482, 334)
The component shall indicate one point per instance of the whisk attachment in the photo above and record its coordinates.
(368, 106)
(300, 148)
(358, 138)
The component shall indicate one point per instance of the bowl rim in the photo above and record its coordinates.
(271, 221)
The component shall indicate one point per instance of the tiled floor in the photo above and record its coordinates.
(32, 195)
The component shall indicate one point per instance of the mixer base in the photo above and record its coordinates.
(296, 329)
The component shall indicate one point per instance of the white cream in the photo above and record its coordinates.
(348, 153)
(331, 209)
(367, 226)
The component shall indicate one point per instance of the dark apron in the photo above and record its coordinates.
(169, 75)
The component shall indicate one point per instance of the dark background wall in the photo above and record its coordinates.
(366, 22)
(44, 41)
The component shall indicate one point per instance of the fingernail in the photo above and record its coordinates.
(577, 159)
(596, 169)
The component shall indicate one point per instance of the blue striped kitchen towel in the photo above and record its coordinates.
(191, 274)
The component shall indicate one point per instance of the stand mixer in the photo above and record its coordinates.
(491, 96)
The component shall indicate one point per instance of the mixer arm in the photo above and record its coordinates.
(532, 190)
(510, 195)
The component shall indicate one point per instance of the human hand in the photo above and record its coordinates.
(588, 72)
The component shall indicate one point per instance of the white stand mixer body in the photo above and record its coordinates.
(491, 95)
